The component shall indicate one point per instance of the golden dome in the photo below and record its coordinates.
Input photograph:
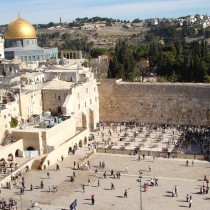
(20, 29)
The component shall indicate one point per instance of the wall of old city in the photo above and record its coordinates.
(187, 104)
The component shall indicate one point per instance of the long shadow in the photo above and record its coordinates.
(181, 201)
(167, 196)
(88, 203)
(87, 199)
(107, 189)
(120, 196)
(78, 191)
(183, 206)
(206, 198)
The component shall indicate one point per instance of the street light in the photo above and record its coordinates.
(140, 177)
(21, 206)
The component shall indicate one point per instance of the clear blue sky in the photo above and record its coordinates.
(45, 11)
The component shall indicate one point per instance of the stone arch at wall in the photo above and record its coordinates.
(70, 150)
(85, 140)
(75, 146)
(80, 143)
(30, 149)
(10, 157)
(71, 54)
(18, 153)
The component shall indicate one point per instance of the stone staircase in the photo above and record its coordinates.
(38, 162)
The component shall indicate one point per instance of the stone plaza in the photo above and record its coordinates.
(170, 172)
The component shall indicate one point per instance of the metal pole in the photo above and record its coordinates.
(140, 194)
(21, 206)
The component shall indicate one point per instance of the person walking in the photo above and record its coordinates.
(126, 169)
(98, 183)
(48, 175)
(83, 188)
(126, 194)
(92, 199)
(187, 198)
(190, 203)
(88, 181)
(112, 186)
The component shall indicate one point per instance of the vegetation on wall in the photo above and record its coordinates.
(13, 122)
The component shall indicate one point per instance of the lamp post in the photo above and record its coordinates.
(21, 206)
(140, 177)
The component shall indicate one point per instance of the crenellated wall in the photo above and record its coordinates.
(161, 103)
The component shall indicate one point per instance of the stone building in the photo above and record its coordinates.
(21, 43)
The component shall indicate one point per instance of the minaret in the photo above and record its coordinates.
(60, 21)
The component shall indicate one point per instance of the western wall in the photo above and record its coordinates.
(159, 103)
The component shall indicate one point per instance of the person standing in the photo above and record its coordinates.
(83, 188)
(126, 169)
(31, 187)
(92, 199)
(88, 181)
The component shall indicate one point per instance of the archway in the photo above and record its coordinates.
(85, 140)
(30, 149)
(75, 146)
(80, 143)
(10, 157)
(2, 160)
(70, 150)
(18, 153)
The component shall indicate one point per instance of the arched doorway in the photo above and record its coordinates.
(30, 149)
(85, 140)
(18, 153)
(75, 146)
(2, 160)
(70, 150)
(80, 143)
(10, 157)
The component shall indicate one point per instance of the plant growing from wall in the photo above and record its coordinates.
(13, 122)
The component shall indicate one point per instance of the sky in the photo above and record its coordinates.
(45, 11)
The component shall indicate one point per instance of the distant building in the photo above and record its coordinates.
(1, 47)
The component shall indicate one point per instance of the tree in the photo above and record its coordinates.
(123, 63)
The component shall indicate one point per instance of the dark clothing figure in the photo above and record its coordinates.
(125, 194)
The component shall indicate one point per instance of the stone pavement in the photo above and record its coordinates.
(170, 172)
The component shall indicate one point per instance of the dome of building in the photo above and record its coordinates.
(20, 29)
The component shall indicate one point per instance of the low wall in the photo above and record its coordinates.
(11, 149)
(20, 168)
(56, 154)
(153, 153)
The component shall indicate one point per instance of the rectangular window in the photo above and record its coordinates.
(90, 101)
(78, 106)
(59, 98)
(95, 99)
(86, 90)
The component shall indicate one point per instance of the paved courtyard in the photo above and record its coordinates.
(170, 172)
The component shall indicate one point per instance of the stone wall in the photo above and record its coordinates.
(161, 103)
